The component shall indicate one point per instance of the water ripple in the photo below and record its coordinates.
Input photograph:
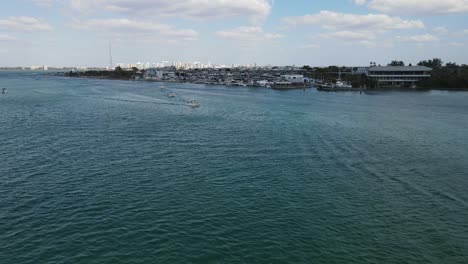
(96, 171)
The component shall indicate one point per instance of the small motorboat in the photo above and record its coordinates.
(171, 95)
(193, 103)
(4, 91)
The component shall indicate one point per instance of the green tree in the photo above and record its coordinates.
(396, 63)
(435, 63)
(451, 65)
(119, 70)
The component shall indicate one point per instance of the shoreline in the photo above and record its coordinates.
(356, 90)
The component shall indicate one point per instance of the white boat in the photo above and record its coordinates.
(171, 95)
(4, 91)
(337, 86)
(193, 103)
(341, 85)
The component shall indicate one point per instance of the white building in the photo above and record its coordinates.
(294, 79)
(156, 74)
(398, 76)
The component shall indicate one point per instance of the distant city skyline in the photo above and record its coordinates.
(76, 33)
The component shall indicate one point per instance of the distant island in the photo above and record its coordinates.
(428, 74)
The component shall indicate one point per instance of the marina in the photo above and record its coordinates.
(332, 78)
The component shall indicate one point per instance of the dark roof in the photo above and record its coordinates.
(399, 68)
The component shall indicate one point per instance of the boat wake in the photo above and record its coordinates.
(158, 102)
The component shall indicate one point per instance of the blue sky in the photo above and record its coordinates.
(266, 32)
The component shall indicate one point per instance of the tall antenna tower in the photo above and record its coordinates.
(111, 63)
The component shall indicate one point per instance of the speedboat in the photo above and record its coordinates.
(193, 103)
(4, 91)
(171, 95)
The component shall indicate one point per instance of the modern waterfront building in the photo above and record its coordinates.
(396, 76)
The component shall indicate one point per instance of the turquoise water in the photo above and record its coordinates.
(98, 171)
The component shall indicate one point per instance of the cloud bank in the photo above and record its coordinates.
(25, 24)
(255, 10)
(336, 20)
(424, 7)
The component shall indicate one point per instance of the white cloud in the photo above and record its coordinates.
(248, 34)
(348, 35)
(310, 46)
(360, 2)
(6, 38)
(460, 33)
(418, 38)
(128, 27)
(428, 7)
(456, 44)
(367, 43)
(43, 2)
(256, 10)
(441, 30)
(356, 38)
(336, 20)
(29, 24)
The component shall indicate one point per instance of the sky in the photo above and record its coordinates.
(265, 32)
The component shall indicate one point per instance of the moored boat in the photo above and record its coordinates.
(337, 86)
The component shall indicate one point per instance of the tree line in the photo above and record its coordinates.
(117, 73)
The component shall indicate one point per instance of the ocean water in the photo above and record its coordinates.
(100, 171)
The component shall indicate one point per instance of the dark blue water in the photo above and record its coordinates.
(96, 171)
